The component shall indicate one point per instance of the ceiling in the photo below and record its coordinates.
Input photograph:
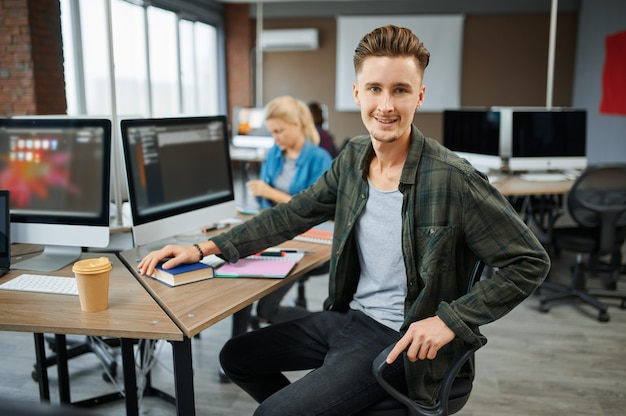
(324, 8)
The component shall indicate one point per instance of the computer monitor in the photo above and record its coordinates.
(249, 128)
(5, 232)
(545, 140)
(58, 175)
(474, 135)
(179, 177)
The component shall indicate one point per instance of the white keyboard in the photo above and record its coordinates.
(40, 283)
(544, 177)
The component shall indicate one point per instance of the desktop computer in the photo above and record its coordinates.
(518, 139)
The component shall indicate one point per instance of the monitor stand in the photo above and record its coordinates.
(52, 258)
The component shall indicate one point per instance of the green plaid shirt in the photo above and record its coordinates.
(450, 216)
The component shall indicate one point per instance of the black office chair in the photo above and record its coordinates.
(597, 203)
(454, 393)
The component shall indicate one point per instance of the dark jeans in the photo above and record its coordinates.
(338, 347)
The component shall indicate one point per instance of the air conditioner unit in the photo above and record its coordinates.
(289, 40)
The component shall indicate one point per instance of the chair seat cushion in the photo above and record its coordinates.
(461, 388)
(582, 240)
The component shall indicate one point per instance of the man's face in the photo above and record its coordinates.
(389, 90)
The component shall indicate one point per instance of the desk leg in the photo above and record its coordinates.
(62, 370)
(40, 368)
(183, 377)
(130, 377)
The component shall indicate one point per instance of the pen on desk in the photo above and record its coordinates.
(271, 254)
(283, 251)
(289, 250)
(213, 227)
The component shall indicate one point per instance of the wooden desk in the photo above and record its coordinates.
(516, 186)
(132, 314)
(197, 306)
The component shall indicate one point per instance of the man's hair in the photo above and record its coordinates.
(392, 41)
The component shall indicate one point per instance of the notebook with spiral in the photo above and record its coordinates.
(260, 266)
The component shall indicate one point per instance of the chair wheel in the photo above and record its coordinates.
(603, 316)
(623, 305)
(543, 308)
(35, 375)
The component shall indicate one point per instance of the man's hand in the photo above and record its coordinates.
(423, 339)
(177, 254)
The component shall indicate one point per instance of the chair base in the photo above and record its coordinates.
(89, 345)
(578, 290)
(563, 292)
(588, 296)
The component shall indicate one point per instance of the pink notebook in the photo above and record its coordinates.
(258, 267)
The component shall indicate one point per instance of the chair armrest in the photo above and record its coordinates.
(416, 409)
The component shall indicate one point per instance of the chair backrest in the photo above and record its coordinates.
(598, 200)
(454, 392)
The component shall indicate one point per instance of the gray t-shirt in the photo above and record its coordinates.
(283, 181)
(382, 286)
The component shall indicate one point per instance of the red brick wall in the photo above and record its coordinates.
(31, 58)
(239, 44)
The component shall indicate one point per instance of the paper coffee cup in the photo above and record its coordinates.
(92, 280)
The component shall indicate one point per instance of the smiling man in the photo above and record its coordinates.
(410, 219)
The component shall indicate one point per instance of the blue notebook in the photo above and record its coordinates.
(183, 274)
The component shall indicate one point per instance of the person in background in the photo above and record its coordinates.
(327, 140)
(291, 165)
(411, 218)
(296, 160)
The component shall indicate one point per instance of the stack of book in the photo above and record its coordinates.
(275, 263)
(321, 234)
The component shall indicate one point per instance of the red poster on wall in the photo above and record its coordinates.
(614, 75)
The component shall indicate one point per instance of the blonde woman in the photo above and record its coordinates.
(295, 161)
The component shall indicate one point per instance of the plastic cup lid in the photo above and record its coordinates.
(92, 266)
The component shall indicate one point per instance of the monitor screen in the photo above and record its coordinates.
(474, 135)
(5, 232)
(58, 175)
(179, 176)
(249, 128)
(548, 140)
